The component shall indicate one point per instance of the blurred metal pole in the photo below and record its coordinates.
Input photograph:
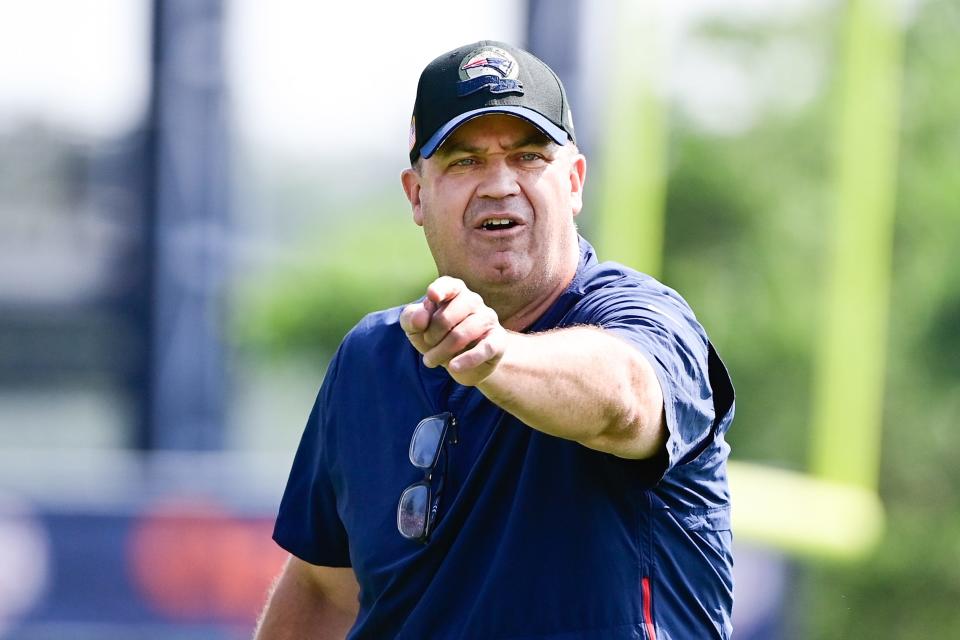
(186, 196)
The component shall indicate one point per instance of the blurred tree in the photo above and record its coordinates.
(918, 565)
(376, 259)
(746, 244)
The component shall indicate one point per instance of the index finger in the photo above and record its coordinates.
(445, 288)
(415, 318)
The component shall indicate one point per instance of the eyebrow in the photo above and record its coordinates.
(452, 146)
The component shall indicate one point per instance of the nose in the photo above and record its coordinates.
(499, 180)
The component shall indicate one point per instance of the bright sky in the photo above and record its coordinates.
(79, 63)
(298, 71)
(311, 76)
(336, 74)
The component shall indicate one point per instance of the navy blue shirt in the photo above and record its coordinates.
(536, 536)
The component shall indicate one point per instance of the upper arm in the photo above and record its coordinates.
(338, 585)
(310, 601)
(663, 329)
(642, 430)
(308, 524)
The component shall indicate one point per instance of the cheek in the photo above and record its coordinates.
(438, 227)
(429, 212)
(435, 223)
(443, 207)
(554, 207)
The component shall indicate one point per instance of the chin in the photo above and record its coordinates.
(504, 273)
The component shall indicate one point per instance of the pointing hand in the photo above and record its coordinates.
(452, 327)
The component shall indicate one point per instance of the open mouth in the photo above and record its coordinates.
(497, 224)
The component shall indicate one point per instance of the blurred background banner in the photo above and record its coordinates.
(199, 198)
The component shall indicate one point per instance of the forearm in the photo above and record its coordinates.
(581, 384)
(297, 610)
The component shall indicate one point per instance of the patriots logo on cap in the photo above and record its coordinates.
(500, 65)
(489, 68)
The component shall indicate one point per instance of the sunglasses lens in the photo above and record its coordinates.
(412, 511)
(425, 443)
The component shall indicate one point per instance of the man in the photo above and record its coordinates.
(535, 448)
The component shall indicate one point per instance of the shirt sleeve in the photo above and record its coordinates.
(660, 324)
(308, 525)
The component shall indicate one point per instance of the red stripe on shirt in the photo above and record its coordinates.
(648, 609)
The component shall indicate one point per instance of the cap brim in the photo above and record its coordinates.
(542, 123)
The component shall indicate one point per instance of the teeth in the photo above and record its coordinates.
(496, 222)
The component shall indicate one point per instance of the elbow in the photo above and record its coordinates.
(635, 425)
(648, 435)
(635, 436)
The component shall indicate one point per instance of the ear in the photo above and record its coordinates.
(578, 175)
(410, 180)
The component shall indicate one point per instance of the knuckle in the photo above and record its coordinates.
(458, 336)
(486, 349)
(440, 325)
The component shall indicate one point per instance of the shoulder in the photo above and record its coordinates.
(374, 354)
(376, 331)
(376, 325)
(608, 286)
(613, 276)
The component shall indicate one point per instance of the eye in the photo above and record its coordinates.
(530, 156)
(463, 162)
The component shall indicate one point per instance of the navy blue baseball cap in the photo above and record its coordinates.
(481, 78)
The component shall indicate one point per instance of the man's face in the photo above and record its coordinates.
(497, 202)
